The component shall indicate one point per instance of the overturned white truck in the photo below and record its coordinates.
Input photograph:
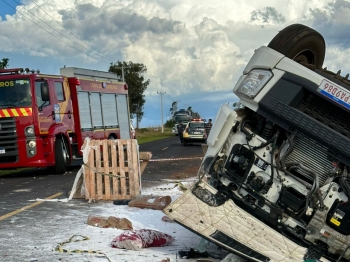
(275, 181)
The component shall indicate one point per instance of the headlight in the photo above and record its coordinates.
(30, 130)
(31, 143)
(254, 82)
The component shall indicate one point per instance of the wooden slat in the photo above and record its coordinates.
(114, 169)
(121, 160)
(91, 164)
(106, 179)
(144, 158)
(136, 175)
(131, 184)
(87, 175)
(145, 155)
(99, 169)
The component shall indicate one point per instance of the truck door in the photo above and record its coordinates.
(63, 107)
(123, 117)
(45, 108)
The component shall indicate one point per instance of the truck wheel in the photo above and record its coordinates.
(300, 43)
(61, 157)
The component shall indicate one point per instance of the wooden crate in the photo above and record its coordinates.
(112, 171)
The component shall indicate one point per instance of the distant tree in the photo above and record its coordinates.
(170, 123)
(173, 109)
(134, 77)
(4, 63)
(190, 109)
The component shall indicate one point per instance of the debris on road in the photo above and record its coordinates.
(150, 201)
(192, 253)
(77, 238)
(143, 238)
(167, 219)
(110, 222)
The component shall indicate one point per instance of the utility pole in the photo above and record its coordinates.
(161, 106)
(122, 67)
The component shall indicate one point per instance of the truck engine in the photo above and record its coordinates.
(287, 158)
(283, 155)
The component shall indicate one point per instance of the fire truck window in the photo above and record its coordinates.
(39, 100)
(59, 91)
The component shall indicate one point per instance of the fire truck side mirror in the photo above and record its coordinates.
(45, 96)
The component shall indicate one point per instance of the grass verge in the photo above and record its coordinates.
(144, 135)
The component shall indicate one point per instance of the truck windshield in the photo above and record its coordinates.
(15, 93)
(183, 118)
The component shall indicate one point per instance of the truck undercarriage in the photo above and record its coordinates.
(274, 183)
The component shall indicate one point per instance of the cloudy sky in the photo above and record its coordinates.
(194, 50)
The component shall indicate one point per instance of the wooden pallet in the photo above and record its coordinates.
(113, 171)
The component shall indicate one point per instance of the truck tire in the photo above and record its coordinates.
(61, 157)
(300, 43)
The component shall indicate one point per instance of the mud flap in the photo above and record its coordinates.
(232, 228)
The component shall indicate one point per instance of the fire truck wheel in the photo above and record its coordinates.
(300, 43)
(61, 157)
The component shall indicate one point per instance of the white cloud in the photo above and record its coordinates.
(188, 46)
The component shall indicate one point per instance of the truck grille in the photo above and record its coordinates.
(326, 113)
(8, 140)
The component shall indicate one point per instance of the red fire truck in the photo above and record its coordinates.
(44, 119)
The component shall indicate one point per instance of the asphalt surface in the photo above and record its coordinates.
(170, 160)
(23, 220)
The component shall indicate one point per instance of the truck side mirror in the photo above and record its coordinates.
(45, 96)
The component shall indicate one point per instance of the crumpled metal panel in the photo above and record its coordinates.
(237, 224)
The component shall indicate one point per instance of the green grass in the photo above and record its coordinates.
(144, 135)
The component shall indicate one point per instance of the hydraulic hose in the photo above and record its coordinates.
(245, 131)
(289, 150)
(314, 188)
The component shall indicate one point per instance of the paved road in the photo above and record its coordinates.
(15, 191)
(171, 160)
(30, 229)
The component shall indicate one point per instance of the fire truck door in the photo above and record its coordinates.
(63, 107)
(123, 117)
(45, 108)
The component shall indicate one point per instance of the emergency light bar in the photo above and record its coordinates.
(11, 71)
(17, 71)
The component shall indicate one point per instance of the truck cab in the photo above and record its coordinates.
(44, 119)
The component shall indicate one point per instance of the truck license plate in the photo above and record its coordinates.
(197, 133)
(2, 151)
(335, 92)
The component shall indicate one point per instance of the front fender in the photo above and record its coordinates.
(54, 131)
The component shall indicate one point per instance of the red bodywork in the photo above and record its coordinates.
(47, 123)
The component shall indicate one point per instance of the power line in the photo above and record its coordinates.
(46, 29)
(91, 47)
(57, 30)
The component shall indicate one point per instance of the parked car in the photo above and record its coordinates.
(194, 132)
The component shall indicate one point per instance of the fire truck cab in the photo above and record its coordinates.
(44, 119)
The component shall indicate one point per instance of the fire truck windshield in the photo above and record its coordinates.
(15, 93)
